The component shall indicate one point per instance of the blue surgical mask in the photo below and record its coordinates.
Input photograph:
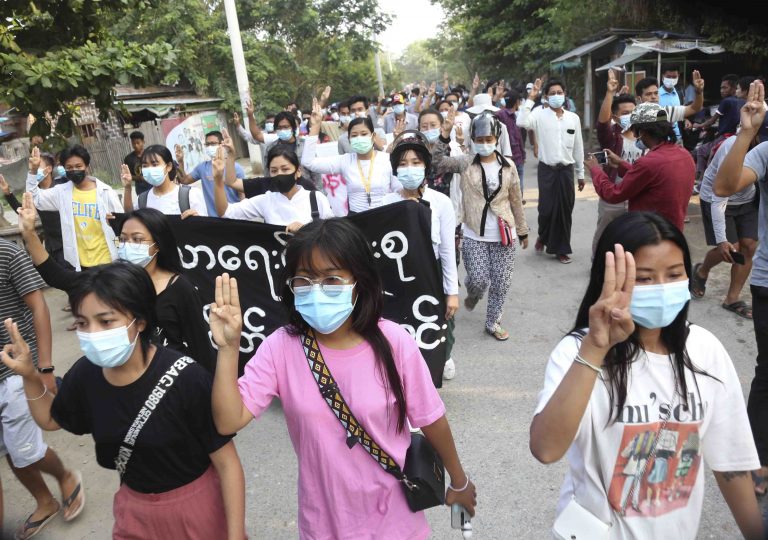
(210, 151)
(60, 171)
(284, 134)
(641, 145)
(432, 134)
(484, 149)
(323, 312)
(154, 175)
(135, 253)
(503, 102)
(624, 121)
(411, 177)
(656, 306)
(398, 109)
(39, 176)
(361, 144)
(108, 348)
(269, 127)
(556, 101)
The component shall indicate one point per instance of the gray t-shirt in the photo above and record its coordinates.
(706, 192)
(757, 160)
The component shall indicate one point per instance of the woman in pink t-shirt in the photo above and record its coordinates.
(335, 291)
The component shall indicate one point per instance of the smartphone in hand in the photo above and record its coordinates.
(738, 257)
(601, 157)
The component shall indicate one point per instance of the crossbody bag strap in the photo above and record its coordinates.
(332, 396)
(315, 211)
(145, 413)
(488, 198)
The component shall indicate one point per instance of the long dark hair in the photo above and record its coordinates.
(633, 231)
(123, 286)
(344, 244)
(161, 151)
(159, 226)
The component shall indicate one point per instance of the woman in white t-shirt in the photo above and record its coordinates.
(159, 171)
(367, 172)
(412, 160)
(635, 397)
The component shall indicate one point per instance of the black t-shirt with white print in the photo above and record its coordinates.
(174, 445)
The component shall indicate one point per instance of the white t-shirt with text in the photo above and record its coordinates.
(168, 203)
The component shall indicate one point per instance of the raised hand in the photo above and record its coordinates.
(476, 82)
(613, 82)
(225, 319)
(432, 89)
(624, 90)
(459, 134)
(448, 124)
(125, 176)
(179, 151)
(227, 144)
(249, 107)
(218, 162)
(27, 215)
(317, 118)
(326, 94)
(16, 355)
(34, 160)
(236, 118)
(399, 126)
(4, 187)
(535, 90)
(753, 111)
(697, 81)
(610, 321)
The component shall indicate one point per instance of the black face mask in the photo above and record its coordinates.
(283, 183)
(76, 177)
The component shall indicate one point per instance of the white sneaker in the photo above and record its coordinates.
(449, 371)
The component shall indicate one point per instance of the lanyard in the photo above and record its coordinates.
(367, 182)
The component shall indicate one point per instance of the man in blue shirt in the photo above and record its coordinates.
(668, 94)
(204, 172)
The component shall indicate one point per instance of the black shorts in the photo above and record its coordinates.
(740, 222)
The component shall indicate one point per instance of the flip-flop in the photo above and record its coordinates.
(761, 484)
(740, 308)
(22, 533)
(498, 333)
(698, 283)
(78, 491)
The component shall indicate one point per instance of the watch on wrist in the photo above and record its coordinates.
(44, 370)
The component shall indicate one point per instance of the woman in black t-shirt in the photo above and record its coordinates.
(148, 410)
(145, 239)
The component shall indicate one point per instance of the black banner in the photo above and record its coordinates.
(253, 253)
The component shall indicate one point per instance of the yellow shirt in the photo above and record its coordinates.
(91, 244)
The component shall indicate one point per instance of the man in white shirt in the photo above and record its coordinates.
(561, 158)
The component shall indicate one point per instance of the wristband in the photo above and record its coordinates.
(45, 391)
(596, 369)
(48, 369)
(466, 485)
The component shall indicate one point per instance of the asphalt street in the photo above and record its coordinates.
(490, 403)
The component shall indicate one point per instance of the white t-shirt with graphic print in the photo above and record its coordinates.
(606, 458)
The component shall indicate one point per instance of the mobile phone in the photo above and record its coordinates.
(460, 520)
(601, 157)
(738, 257)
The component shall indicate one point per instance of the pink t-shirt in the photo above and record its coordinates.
(343, 493)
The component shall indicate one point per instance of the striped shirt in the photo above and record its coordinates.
(18, 278)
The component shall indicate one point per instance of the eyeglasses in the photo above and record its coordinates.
(331, 285)
(120, 242)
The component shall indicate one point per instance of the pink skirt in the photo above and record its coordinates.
(192, 512)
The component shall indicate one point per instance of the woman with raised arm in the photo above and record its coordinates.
(636, 396)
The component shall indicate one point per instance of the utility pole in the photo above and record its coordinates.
(377, 64)
(233, 28)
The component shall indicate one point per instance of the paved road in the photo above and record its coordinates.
(489, 405)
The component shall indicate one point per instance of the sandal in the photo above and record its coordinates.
(23, 532)
(77, 493)
(498, 332)
(740, 308)
(698, 283)
(564, 259)
(539, 246)
(761, 484)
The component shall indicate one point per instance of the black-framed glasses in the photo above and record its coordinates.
(331, 285)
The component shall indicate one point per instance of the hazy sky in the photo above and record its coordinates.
(414, 20)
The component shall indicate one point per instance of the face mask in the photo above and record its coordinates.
(556, 101)
(484, 149)
(335, 117)
(411, 177)
(361, 114)
(503, 102)
(284, 134)
(656, 306)
(544, 100)
(283, 183)
(269, 127)
(39, 176)
(669, 83)
(624, 121)
(399, 108)
(325, 313)
(154, 175)
(210, 151)
(135, 253)
(76, 177)
(345, 119)
(432, 134)
(413, 99)
(60, 171)
(361, 145)
(641, 145)
(108, 348)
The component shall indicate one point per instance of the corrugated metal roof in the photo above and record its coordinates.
(581, 50)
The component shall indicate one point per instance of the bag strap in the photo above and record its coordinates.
(184, 198)
(330, 391)
(488, 198)
(313, 205)
(143, 199)
(150, 405)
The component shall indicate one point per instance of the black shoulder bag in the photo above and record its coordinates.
(423, 478)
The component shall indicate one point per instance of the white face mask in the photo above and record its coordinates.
(669, 83)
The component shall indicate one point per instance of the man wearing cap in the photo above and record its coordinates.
(661, 181)
(561, 159)
(398, 108)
